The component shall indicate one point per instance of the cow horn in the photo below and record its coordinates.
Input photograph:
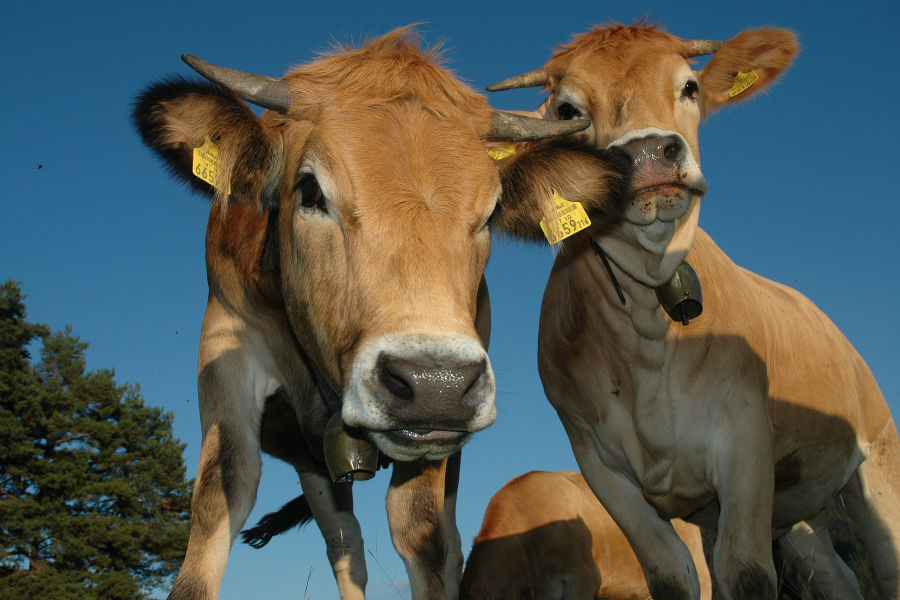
(261, 90)
(510, 127)
(535, 78)
(702, 47)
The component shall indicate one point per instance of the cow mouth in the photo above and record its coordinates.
(662, 188)
(413, 443)
(429, 436)
(677, 183)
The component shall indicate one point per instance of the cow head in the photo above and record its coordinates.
(636, 86)
(371, 165)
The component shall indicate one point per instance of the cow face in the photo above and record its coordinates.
(374, 192)
(383, 242)
(637, 87)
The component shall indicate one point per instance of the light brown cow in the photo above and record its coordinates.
(755, 415)
(345, 255)
(545, 536)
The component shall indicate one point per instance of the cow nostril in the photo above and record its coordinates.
(410, 381)
(395, 384)
(672, 150)
(471, 373)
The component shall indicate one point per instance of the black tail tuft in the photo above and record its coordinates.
(295, 513)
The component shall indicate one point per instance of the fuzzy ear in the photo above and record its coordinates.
(745, 65)
(598, 179)
(177, 116)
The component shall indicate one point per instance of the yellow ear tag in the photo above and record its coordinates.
(502, 152)
(570, 219)
(742, 81)
(206, 165)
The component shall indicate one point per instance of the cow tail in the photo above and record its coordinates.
(295, 513)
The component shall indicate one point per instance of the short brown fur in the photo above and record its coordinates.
(353, 241)
(756, 415)
(546, 535)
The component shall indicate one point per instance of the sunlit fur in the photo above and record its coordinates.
(744, 52)
(385, 266)
(544, 535)
(396, 68)
(755, 416)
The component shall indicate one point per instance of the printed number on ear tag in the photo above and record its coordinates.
(570, 219)
(742, 81)
(206, 165)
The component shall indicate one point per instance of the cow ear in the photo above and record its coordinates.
(745, 65)
(598, 179)
(210, 139)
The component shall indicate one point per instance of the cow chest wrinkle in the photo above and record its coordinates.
(661, 426)
(637, 423)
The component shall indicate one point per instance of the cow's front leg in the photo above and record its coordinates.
(426, 540)
(331, 505)
(227, 479)
(808, 563)
(743, 475)
(453, 559)
(667, 563)
(871, 502)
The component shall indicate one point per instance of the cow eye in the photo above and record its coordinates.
(311, 195)
(567, 112)
(690, 89)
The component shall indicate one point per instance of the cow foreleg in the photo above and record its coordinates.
(664, 558)
(870, 503)
(331, 505)
(453, 560)
(233, 383)
(223, 497)
(422, 526)
(810, 566)
(743, 567)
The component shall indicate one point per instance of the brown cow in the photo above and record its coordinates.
(545, 535)
(756, 415)
(345, 255)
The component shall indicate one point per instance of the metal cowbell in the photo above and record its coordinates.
(349, 457)
(681, 296)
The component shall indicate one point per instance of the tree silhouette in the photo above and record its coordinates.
(93, 497)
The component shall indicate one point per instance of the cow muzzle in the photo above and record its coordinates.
(666, 176)
(421, 395)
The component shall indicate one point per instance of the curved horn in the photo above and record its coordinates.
(535, 78)
(702, 47)
(509, 127)
(260, 90)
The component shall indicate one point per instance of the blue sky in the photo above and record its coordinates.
(802, 183)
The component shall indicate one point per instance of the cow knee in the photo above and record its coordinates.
(753, 582)
(667, 588)
(345, 553)
(227, 479)
(348, 565)
(189, 587)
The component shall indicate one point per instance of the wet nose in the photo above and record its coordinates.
(420, 393)
(667, 150)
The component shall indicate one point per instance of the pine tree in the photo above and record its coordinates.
(93, 497)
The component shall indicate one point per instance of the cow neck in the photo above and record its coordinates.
(633, 297)
(637, 329)
(684, 319)
(329, 396)
(599, 251)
